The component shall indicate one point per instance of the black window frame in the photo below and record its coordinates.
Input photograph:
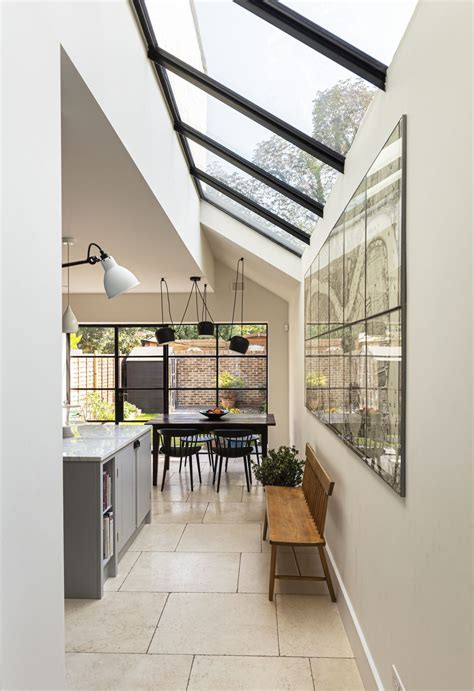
(120, 390)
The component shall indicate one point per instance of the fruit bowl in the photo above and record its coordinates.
(214, 413)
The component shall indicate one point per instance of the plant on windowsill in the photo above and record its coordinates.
(281, 467)
(227, 380)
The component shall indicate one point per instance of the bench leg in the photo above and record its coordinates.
(265, 526)
(272, 572)
(322, 555)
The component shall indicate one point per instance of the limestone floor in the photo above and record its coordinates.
(189, 608)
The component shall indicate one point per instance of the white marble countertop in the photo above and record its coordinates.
(98, 442)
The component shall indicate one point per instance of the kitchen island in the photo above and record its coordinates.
(107, 500)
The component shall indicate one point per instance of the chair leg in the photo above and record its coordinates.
(226, 464)
(322, 555)
(191, 472)
(246, 474)
(265, 526)
(219, 474)
(210, 455)
(257, 452)
(199, 468)
(180, 463)
(271, 585)
(250, 468)
(164, 474)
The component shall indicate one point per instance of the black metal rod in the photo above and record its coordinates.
(251, 205)
(318, 38)
(81, 261)
(248, 167)
(247, 108)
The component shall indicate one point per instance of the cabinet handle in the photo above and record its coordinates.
(136, 444)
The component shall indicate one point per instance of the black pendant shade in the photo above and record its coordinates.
(164, 335)
(239, 344)
(205, 328)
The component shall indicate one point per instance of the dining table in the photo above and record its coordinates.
(257, 423)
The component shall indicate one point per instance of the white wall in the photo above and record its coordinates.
(260, 305)
(104, 43)
(405, 563)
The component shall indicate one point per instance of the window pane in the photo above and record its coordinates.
(95, 339)
(142, 405)
(90, 372)
(279, 65)
(253, 219)
(191, 400)
(384, 211)
(187, 340)
(354, 256)
(374, 27)
(96, 405)
(141, 372)
(336, 275)
(192, 372)
(254, 142)
(323, 287)
(257, 191)
(256, 334)
(134, 339)
(242, 373)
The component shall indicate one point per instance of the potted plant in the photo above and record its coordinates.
(281, 467)
(314, 380)
(227, 380)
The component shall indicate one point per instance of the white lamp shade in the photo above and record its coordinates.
(70, 325)
(117, 279)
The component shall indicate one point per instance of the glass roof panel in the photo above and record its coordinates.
(374, 27)
(288, 78)
(253, 142)
(246, 216)
(258, 191)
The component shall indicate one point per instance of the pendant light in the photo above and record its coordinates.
(205, 325)
(239, 344)
(165, 334)
(69, 322)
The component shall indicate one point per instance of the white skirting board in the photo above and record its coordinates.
(365, 662)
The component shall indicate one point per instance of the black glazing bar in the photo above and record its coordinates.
(248, 167)
(251, 205)
(251, 110)
(318, 38)
(252, 227)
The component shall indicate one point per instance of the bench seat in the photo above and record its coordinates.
(296, 516)
(289, 519)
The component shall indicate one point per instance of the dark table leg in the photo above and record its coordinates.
(156, 445)
(264, 434)
(166, 467)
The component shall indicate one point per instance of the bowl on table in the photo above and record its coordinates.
(214, 413)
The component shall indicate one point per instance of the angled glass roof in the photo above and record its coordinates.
(253, 220)
(264, 116)
(374, 27)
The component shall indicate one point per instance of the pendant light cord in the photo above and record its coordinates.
(163, 280)
(205, 309)
(239, 264)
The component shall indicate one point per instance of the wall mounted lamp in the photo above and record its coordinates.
(117, 279)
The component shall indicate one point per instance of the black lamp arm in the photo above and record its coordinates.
(90, 258)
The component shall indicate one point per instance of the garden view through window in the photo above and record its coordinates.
(120, 374)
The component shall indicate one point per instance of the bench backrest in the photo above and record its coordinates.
(317, 487)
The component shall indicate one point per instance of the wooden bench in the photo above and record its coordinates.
(295, 516)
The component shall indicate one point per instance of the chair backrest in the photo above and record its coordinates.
(233, 442)
(317, 488)
(178, 441)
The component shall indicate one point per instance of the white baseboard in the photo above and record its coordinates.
(365, 661)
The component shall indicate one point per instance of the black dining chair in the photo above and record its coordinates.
(232, 444)
(182, 444)
(206, 438)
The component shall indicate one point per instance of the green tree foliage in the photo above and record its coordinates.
(337, 113)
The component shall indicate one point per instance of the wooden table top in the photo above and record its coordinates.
(196, 419)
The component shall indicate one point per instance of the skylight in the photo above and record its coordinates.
(264, 109)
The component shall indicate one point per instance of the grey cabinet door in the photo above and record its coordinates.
(143, 468)
(125, 460)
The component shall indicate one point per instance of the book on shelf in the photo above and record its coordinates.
(106, 490)
(108, 534)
